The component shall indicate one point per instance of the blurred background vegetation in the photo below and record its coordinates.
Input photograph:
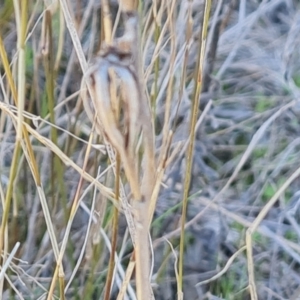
(246, 151)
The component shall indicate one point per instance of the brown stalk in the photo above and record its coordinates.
(117, 69)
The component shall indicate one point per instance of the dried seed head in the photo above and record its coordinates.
(115, 89)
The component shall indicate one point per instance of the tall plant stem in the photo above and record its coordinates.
(189, 156)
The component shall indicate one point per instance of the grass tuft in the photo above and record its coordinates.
(149, 149)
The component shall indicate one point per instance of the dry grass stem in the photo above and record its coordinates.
(126, 123)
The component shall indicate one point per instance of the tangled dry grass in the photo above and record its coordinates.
(99, 117)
